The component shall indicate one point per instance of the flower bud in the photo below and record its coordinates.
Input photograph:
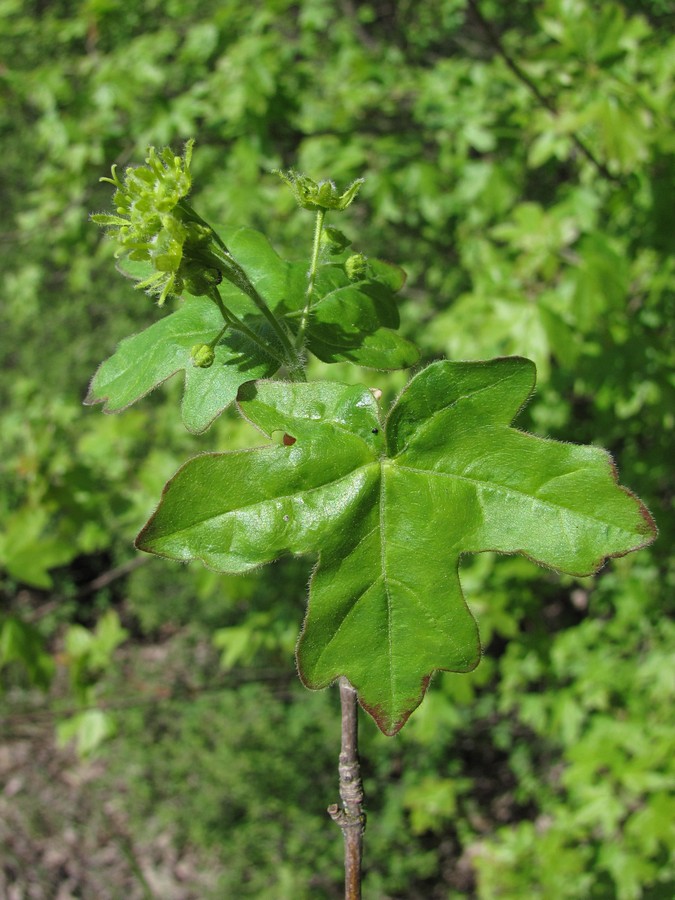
(198, 279)
(356, 267)
(334, 240)
(322, 195)
(202, 355)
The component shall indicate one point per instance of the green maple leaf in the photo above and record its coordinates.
(357, 322)
(390, 508)
(144, 361)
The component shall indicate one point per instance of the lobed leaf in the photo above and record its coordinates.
(356, 322)
(280, 283)
(144, 361)
(390, 510)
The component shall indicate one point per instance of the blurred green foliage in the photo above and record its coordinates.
(547, 772)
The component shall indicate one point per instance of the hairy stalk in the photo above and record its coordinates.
(238, 277)
(233, 322)
(349, 815)
(234, 273)
(214, 343)
(311, 278)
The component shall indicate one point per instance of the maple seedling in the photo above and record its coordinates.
(389, 500)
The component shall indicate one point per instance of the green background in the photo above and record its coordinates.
(519, 165)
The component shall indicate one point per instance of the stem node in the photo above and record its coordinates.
(349, 814)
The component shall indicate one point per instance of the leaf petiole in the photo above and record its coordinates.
(214, 343)
(236, 275)
(231, 321)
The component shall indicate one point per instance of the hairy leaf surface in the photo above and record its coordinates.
(144, 361)
(390, 508)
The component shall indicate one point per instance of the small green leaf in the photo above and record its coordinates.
(280, 283)
(356, 322)
(29, 548)
(388, 274)
(350, 322)
(383, 349)
(89, 729)
(391, 509)
(146, 360)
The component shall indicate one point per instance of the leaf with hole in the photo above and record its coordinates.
(390, 508)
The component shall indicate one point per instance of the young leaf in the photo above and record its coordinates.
(356, 322)
(349, 322)
(280, 283)
(390, 510)
(146, 360)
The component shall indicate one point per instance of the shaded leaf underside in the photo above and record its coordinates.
(349, 322)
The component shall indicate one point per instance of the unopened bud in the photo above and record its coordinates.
(334, 240)
(356, 266)
(197, 279)
(321, 195)
(202, 355)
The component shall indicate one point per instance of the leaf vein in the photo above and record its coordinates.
(383, 562)
(427, 613)
(506, 489)
(349, 612)
(426, 423)
(263, 501)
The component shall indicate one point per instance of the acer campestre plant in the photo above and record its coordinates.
(388, 500)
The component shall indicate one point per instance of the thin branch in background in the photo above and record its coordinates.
(126, 845)
(494, 38)
(158, 695)
(349, 12)
(113, 574)
(349, 815)
(27, 597)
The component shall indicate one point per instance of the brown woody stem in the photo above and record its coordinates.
(519, 72)
(349, 815)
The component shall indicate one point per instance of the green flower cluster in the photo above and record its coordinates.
(154, 224)
(318, 195)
